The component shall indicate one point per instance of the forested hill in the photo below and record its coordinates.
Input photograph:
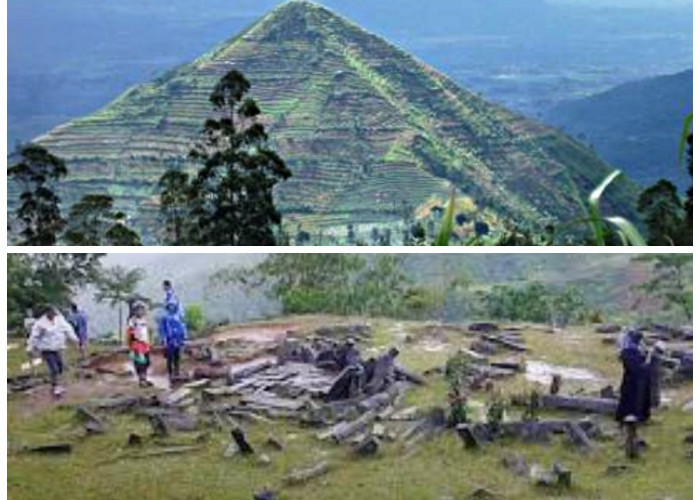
(635, 126)
(606, 281)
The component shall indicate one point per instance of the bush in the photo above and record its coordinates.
(194, 318)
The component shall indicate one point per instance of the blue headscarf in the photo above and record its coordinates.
(630, 339)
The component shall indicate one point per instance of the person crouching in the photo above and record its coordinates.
(173, 333)
(48, 338)
(139, 344)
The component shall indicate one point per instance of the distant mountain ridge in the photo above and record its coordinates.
(635, 126)
(367, 129)
(87, 52)
(606, 280)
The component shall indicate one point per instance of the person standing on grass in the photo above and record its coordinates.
(635, 390)
(173, 334)
(48, 338)
(78, 320)
(139, 343)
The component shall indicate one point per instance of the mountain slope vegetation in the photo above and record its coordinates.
(634, 126)
(370, 133)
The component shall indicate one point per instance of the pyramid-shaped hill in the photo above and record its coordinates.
(371, 134)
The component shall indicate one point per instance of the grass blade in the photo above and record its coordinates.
(594, 208)
(628, 233)
(443, 237)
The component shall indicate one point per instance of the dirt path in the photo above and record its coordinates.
(113, 373)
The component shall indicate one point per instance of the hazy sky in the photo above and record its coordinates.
(625, 3)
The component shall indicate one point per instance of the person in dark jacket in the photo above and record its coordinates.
(173, 333)
(635, 390)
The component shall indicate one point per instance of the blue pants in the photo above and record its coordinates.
(54, 362)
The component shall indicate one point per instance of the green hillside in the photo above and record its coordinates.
(634, 126)
(370, 133)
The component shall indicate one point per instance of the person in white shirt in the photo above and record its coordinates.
(48, 338)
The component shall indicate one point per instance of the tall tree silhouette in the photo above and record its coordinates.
(39, 214)
(93, 222)
(231, 199)
(174, 198)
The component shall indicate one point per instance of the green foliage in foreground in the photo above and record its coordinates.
(37, 280)
(610, 230)
(194, 318)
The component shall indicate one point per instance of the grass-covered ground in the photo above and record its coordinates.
(438, 469)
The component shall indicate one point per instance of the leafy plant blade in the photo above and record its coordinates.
(628, 233)
(443, 237)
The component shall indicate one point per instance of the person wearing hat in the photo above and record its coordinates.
(635, 393)
(48, 338)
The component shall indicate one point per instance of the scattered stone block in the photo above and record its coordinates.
(557, 477)
(483, 327)
(516, 463)
(410, 413)
(608, 328)
(483, 494)
(265, 495)
(51, 449)
(578, 437)
(134, 440)
(367, 447)
(469, 437)
(274, 444)
(614, 470)
(301, 476)
(379, 431)
(584, 404)
(239, 438)
(177, 396)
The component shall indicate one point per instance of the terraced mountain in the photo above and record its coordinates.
(372, 135)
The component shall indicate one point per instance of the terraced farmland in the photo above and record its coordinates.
(367, 130)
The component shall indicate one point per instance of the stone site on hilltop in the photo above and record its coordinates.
(248, 394)
(303, 375)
